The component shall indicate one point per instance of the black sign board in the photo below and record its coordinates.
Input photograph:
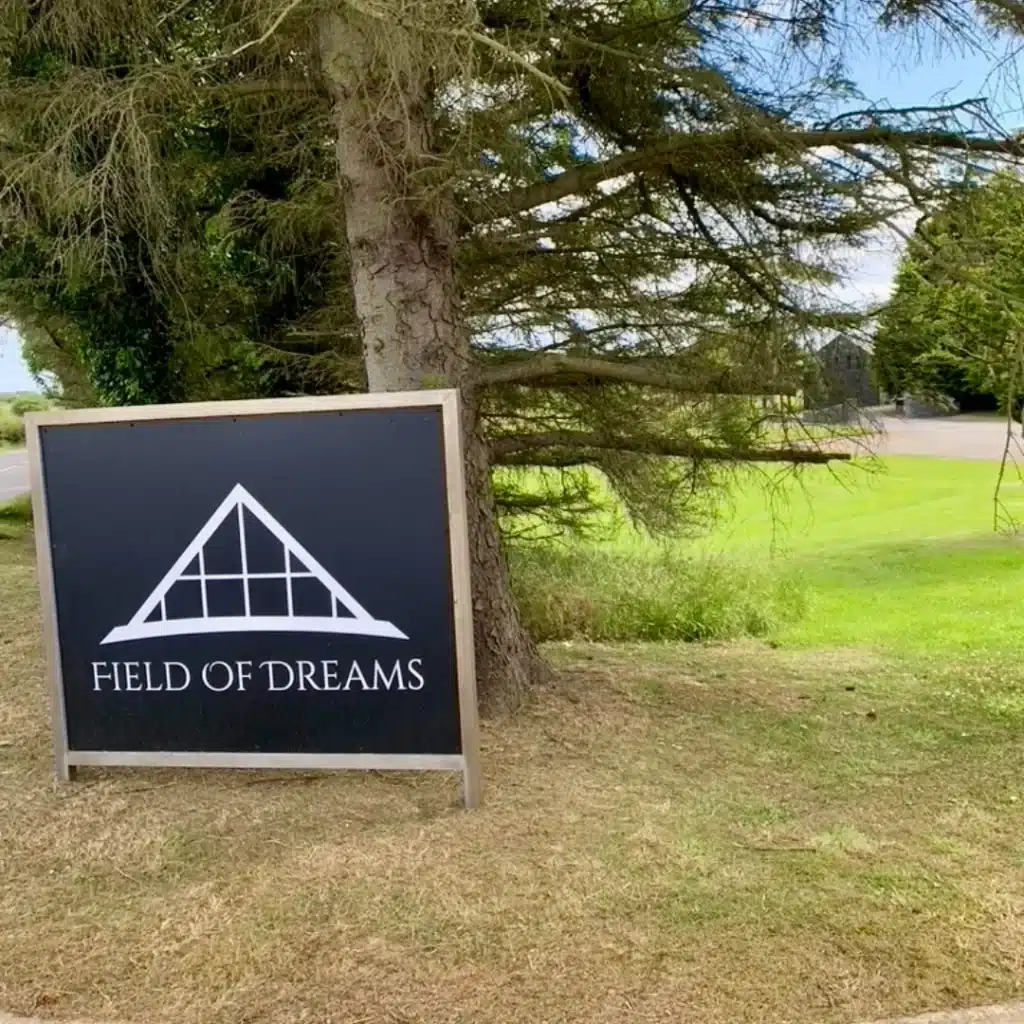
(275, 583)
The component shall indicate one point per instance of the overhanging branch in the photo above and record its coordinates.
(580, 447)
(554, 365)
(736, 144)
(239, 87)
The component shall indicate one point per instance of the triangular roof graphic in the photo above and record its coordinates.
(152, 619)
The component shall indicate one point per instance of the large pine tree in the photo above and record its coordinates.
(605, 221)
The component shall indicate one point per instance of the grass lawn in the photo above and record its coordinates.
(909, 561)
(901, 557)
(824, 828)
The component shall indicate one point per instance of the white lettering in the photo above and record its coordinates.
(306, 670)
(244, 670)
(330, 675)
(388, 680)
(229, 682)
(355, 672)
(222, 676)
(269, 665)
(187, 674)
(96, 674)
(131, 675)
(414, 671)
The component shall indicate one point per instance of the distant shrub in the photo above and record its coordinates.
(17, 510)
(28, 403)
(587, 593)
(12, 430)
(15, 515)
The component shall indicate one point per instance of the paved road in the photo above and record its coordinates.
(13, 475)
(958, 437)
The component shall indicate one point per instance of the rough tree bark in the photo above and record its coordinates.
(402, 255)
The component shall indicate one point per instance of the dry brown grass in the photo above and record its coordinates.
(702, 834)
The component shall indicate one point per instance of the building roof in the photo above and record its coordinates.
(847, 340)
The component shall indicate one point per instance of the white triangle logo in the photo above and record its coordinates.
(156, 618)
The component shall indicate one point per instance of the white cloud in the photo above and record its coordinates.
(868, 276)
(869, 271)
(14, 375)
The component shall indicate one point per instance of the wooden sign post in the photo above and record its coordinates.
(264, 584)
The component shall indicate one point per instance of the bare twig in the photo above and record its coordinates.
(1011, 394)
(176, 9)
(549, 83)
(274, 26)
(765, 848)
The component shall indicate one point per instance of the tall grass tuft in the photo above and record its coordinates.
(12, 430)
(29, 403)
(15, 516)
(588, 593)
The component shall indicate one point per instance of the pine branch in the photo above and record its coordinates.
(1014, 11)
(579, 447)
(271, 29)
(238, 87)
(736, 144)
(173, 12)
(875, 115)
(526, 370)
(737, 266)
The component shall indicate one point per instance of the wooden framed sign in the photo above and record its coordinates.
(261, 584)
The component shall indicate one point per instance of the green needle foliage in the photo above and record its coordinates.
(954, 326)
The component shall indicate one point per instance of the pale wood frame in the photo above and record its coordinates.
(467, 763)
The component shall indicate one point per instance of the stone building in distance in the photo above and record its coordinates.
(846, 373)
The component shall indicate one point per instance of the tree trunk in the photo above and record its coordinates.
(402, 252)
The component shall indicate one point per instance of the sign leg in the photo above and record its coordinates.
(470, 784)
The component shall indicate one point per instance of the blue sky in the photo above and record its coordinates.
(899, 74)
(895, 71)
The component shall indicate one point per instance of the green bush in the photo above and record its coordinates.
(17, 510)
(588, 593)
(12, 430)
(28, 403)
(15, 515)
